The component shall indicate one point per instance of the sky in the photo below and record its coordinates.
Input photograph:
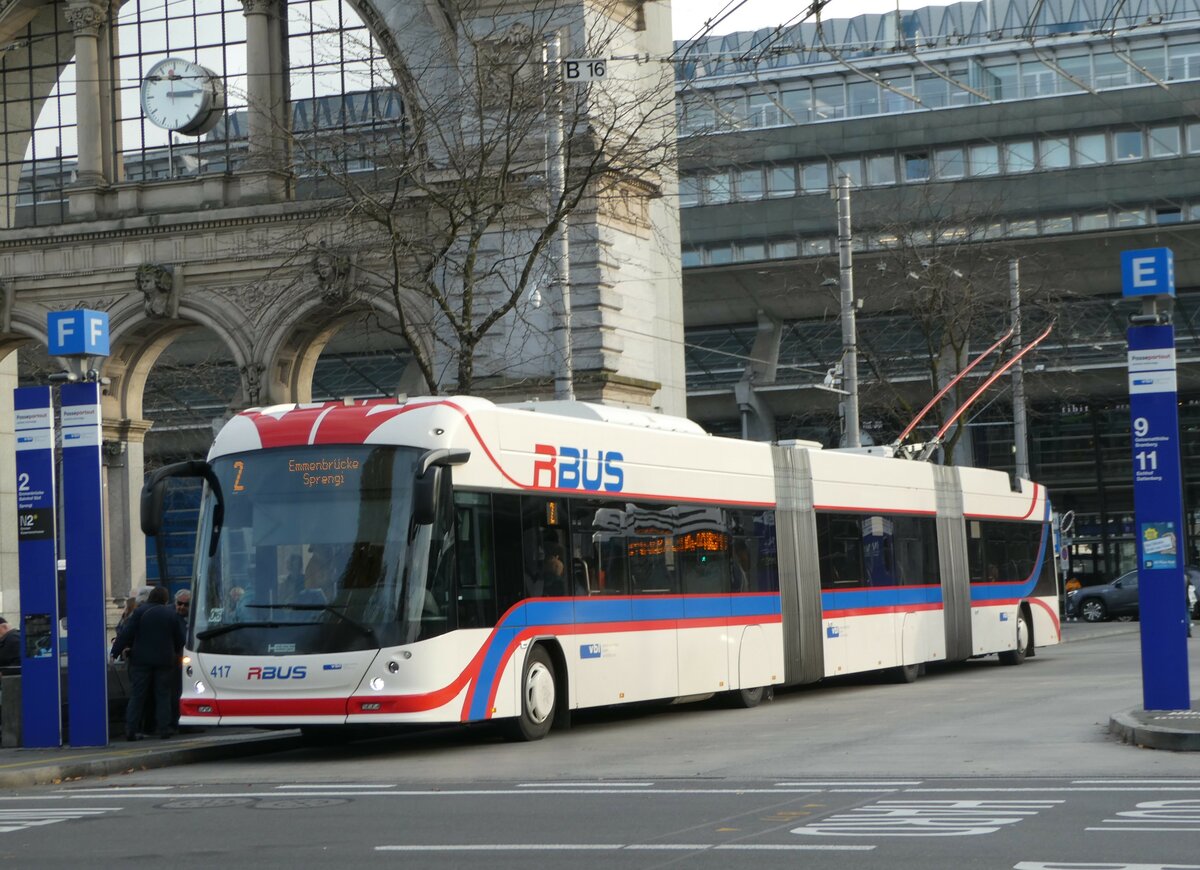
(689, 15)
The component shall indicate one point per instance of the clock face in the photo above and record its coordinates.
(182, 96)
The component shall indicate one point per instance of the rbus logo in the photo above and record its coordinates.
(572, 468)
(274, 672)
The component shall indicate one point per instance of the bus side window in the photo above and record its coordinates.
(506, 543)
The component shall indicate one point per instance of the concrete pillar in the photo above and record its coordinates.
(268, 121)
(10, 589)
(87, 19)
(123, 474)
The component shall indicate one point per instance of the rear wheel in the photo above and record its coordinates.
(906, 673)
(1093, 610)
(1016, 656)
(539, 697)
(746, 699)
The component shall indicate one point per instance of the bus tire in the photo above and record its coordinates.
(748, 699)
(539, 697)
(906, 673)
(1024, 636)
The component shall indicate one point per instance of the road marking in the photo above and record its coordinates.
(585, 785)
(117, 789)
(319, 787)
(845, 784)
(1135, 781)
(1114, 828)
(618, 847)
(920, 818)
(1064, 788)
(1062, 865)
(1171, 815)
(19, 819)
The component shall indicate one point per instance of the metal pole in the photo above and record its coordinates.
(1020, 424)
(849, 332)
(564, 387)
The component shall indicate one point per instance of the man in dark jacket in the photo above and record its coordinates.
(10, 645)
(154, 637)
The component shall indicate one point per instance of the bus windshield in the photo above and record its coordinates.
(314, 554)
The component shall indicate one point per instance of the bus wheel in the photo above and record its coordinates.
(1016, 656)
(746, 699)
(906, 673)
(538, 697)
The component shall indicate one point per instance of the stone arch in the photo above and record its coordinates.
(23, 329)
(138, 341)
(298, 335)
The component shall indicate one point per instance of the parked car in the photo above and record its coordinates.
(1120, 598)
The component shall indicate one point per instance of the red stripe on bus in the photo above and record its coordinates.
(875, 611)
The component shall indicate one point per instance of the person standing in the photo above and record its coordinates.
(10, 645)
(183, 606)
(154, 638)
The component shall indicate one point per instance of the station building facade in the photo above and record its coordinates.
(1055, 134)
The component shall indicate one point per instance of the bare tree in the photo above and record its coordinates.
(452, 211)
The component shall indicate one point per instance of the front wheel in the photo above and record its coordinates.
(1016, 656)
(747, 699)
(539, 697)
(1093, 610)
(906, 673)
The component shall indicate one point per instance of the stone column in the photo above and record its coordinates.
(86, 18)
(265, 176)
(123, 473)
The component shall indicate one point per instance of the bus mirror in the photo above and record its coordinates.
(425, 496)
(154, 493)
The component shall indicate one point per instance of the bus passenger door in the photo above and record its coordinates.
(605, 669)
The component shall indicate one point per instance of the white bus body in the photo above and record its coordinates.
(690, 565)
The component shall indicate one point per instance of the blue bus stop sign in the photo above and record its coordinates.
(1148, 272)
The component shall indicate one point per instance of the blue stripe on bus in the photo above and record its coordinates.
(884, 596)
(1019, 589)
(602, 610)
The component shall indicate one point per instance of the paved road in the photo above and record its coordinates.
(975, 765)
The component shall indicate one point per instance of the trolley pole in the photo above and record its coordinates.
(849, 331)
(1020, 422)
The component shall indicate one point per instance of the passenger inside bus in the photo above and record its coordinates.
(550, 580)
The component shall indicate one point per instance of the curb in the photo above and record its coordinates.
(111, 761)
(1129, 726)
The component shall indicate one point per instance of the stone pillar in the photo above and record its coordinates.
(86, 18)
(123, 474)
(265, 176)
(10, 589)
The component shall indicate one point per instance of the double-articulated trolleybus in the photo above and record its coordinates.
(451, 560)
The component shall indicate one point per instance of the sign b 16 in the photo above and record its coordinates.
(584, 69)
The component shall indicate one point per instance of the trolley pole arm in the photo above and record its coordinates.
(942, 392)
(941, 433)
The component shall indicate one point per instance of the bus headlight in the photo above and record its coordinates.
(377, 684)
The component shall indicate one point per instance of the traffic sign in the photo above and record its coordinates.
(584, 69)
(78, 332)
(1148, 272)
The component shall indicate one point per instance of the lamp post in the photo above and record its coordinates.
(849, 330)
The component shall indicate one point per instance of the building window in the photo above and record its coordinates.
(1054, 225)
(689, 191)
(1079, 68)
(1164, 141)
(1094, 221)
(781, 181)
(797, 102)
(749, 184)
(1001, 82)
(1018, 157)
(852, 169)
(1022, 228)
(916, 166)
(1091, 149)
(764, 111)
(1134, 217)
(720, 255)
(691, 257)
(949, 163)
(1153, 61)
(829, 101)
(1168, 215)
(1055, 152)
(864, 98)
(783, 249)
(716, 188)
(750, 251)
(1193, 138)
(1127, 145)
(985, 160)
(1183, 61)
(931, 90)
(881, 170)
(1109, 71)
(815, 177)
(898, 102)
(816, 247)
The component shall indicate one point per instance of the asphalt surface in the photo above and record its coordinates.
(30, 767)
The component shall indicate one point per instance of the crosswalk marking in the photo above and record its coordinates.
(19, 819)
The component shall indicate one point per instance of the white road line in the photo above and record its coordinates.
(1114, 828)
(597, 784)
(333, 792)
(1064, 788)
(865, 790)
(115, 789)
(1135, 782)
(617, 847)
(848, 783)
(319, 786)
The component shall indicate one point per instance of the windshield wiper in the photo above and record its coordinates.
(234, 626)
(365, 630)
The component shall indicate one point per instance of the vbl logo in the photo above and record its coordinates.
(274, 672)
(572, 468)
